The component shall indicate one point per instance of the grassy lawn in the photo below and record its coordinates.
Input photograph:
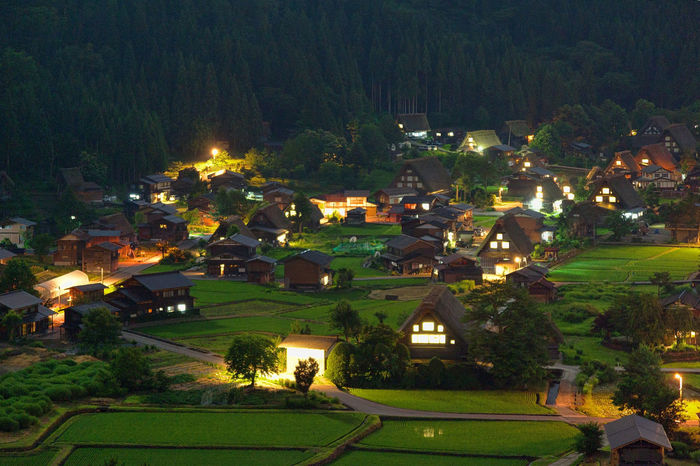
(683, 364)
(627, 263)
(198, 429)
(247, 307)
(355, 263)
(484, 221)
(390, 283)
(591, 350)
(356, 457)
(458, 401)
(167, 268)
(211, 292)
(396, 311)
(534, 438)
(42, 458)
(184, 457)
(268, 324)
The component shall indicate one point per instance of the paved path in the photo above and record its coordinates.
(567, 460)
(124, 273)
(174, 348)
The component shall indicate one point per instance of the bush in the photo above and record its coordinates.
(578, 312)
(300, 402)
(589, 439)
(338, 364)
(695, 456)
(436, 371)
(7, 424)
(680, 450)
(58, 392)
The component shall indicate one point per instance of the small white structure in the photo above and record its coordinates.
(301, 347)
(52, 289)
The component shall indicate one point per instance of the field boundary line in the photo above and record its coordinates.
(381, 449)
(337, 447)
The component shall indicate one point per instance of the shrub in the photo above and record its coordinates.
(578, 312)
(589, 439)
(7, 424)
(436, 371)
(680, 450)
(300, 402)
(58, 392)
(338, 364)
(695, 456)
(24, 420)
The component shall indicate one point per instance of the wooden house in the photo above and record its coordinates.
(70, 249)
(17, 230)
(156, 188)
(532, 223)
(102, 257)
(654, 175)
(226, 179)
(301, 347)
(457, 267)
(537, 192)
(618, 193)
(260, 269)
(651, 132)
(275, 193)
(142, 295)
(87, 293)
(35, 317)
(426, 175)
(186, 182)
(684, 221)
(479, 141)
(270, 225)
(117, 222)
(338, 204)
(679, 141)
(389, 197)
(436, 328)
(6, 256)
(86, 191)
(73, 317)
(228, 257)
(204, 203)
(413, 125)
(356, 217)
(579, 149)
(533, 279)
(230, 226)
(657, 154)
(449, 135)
(584, 218)
(168, 228)
(623, 163)
(636, 440)
(409, 255)
(417, 205)
(308, 270)
(505, 248)
(691, 183)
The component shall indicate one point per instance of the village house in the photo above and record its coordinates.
(116, 222)
(308, 270)
(146, 294)
(526, 161)
(634, 439)
(579, 149)
(532, 223)
(70, 249)
(86, 293)
(448, 135)
(169, 228)
(430, 229)
(691, 183)
(623, 164)
(436, 328)
(56, 290)
(73, 317)
(413, 125)
(684, 221)
(618, 193)
(275, 193)
(389, 197)
(204, 203)
(86, 191)
(226, 179)
(313, 221)
(302, 347)
(505, 248)
(462, 214)
(260, 269)
(228, 257)
(17, 230)
(679, 141)
(186, 182)
(338, 204)
(658, 168)
(102, 257)
(426, 175)
(35, 317)
(584, 218)
(155, 211)
(533, 279)
(270, 225)
(230, 226)
(457, 267)
(539, 193)
(156, 188)
(517, 133)
(356, 217)
(479, 141)
(409, 255)
(417, 205)
(6, 256)
(651, 131)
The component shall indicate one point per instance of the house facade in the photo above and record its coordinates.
(457, 267)
(156, 188)
(505, 248)
(17, 230)
(142, 295)
(533, 279)
(425, 175)
(408, 255)
(636, 440)
(35, 317)
(339, 204)
(618, 193)
(270, 225)
(301, 347)
(413, 125)
(308, 270)
(73, 317)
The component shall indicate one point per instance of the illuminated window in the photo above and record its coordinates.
(182, 307)
(606, 190)
(570, 196)
(416, 328)
(505, 244)
(452, 342)
(612, 199)
(618, 163)
(499, 235)
(493, 245)
(539, 195)
(451, 134)
(425, 206)
(163, 226)
(645, 161)
(428, 326)
(441, 328)
(427, 339)
(567, 189)
(539, 189)
(599, 198)
(438, 134)
(527, 164)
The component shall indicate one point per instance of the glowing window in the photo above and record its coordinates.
(527, 164)
(428, 326)
(493, 244)
(567, 189)
(599, 198)
(452, 342)
(613, 199)
(539, 189)
(618, 163)
(645, 161)
(570, 196)
(441, 328)
(606, 190)
(427, 339)
(505, 244)
(416, 328)
(499, 235)
(182, 307)
(451, 134)
(539, 195)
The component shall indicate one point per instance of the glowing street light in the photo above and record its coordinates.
(214, 152)
(680, 384)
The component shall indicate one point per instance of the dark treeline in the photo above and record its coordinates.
(141, 82)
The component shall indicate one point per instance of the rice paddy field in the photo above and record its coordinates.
(184, 456)
(614, 263)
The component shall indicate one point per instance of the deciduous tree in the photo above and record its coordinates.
(346, 319)
(17, 276)
(100, 331)
(250, 355)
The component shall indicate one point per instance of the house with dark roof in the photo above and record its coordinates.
(73, 317)
(389, 197)
(356, 217)
(436, 328)
(505, 248)
(634, 439)
(584, 218)
(117, 222)
(102, 257)
(409, 255)
(270, 225)
(260, 269)
(275, 193)
(533, 279)
(87, 191)
(156, 188)
(623, 163)
(226, 179)
(458, 267)
(228, 257)
(300, 347)
(651, 131)
(169, 228)
(308, 270)
(479, 141)
(684, 221)
(148, 294)
(5, 256)
(516, 132)
(87, 293)
(71, 249)
(658, 168)
(579, 149)
(426, 175)
(230, 226)
(36, 318)
(538, 192)
(679, 141)
(17, 230)
(204, 203)
(413, 125)
(532, 223)
(618, 193)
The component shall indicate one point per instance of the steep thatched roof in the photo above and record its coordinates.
(413, 122)
(657, 154)
(445, 306)
(683, 137)
(432, 173)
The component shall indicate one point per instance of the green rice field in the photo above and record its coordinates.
(184, 456)
(627, 264)
(357, 457)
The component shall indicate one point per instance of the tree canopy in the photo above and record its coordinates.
(250, 355)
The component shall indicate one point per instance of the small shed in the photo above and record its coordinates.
(636, 440)
(301, 347)
(356, 216)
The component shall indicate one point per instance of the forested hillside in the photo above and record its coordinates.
(141, 82)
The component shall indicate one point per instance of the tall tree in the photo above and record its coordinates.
(17, 276)
(250, 355)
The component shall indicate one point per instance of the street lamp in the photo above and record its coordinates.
(680, 385)
(214, 152)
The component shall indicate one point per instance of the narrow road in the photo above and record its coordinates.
(124, 273)
(174, 348)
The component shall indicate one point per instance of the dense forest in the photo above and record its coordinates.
(138, 83)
